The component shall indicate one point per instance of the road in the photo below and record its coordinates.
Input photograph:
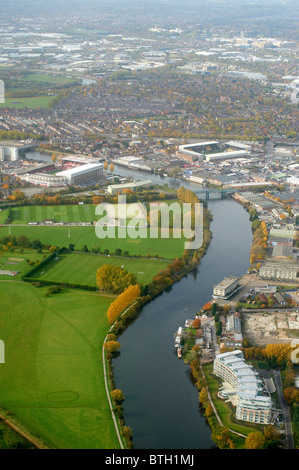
(285, 409)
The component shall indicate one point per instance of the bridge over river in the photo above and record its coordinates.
(218, 191)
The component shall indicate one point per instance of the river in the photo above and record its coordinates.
(161, 403)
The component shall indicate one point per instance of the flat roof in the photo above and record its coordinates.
(227, 281)
(130, 185)
(80, 169)
(200, 144)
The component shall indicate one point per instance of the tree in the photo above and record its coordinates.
(254, 440)
(291, 395)
(106, 165)
(203, 396)
(111, 167)
(24, 241)
(207, 306)
(127, 432)
(114, 279)
(122, 302)
(196, 323)
(214, 308)
(270, 433)
(117, 395)
(111, 346)
(219, 328)
(221, 437)
(36, 244)
(209, 411)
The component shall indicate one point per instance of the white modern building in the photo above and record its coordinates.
(243, 387)
(226, 288)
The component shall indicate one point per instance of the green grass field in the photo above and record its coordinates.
(52, 380)
(79, 236)
(77, 268)
(3, 215)
(16, 261)
(30, 103)
(51, 79)
(67, 213)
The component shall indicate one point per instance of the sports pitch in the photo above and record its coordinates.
(60, 213)
(78, 235)
(81, 268)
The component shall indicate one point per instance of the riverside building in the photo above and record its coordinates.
(243, 387)
(226, 288)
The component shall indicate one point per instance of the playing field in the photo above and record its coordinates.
(52, 379)
(50, 79)
(64, 213)
(17, 262)
(30, 103)
(78, 235)
(3, 216)
(77, 268)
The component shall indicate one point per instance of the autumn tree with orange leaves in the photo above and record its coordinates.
(122, 302)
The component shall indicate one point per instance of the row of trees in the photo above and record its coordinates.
(268, 439)
(259, 241)
(122, 302)
(186, 195)
(277, 354)
(9, 241)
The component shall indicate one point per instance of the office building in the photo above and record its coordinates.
(226, 288)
